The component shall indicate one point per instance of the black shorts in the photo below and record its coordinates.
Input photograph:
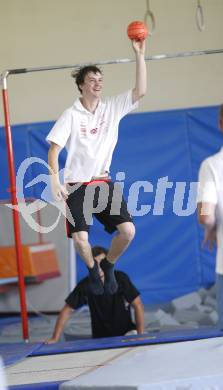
(105, 198)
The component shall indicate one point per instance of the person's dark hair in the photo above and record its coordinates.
(98, 250)
(221, 111)
(79, 75)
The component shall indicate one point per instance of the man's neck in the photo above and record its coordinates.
(89, 104)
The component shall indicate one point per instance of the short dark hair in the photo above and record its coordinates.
(98, 250)
(79, 75)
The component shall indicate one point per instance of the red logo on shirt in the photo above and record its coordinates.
(94, 131)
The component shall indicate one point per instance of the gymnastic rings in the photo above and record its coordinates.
(149, 19)
(200, 17)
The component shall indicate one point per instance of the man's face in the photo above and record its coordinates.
(92, 86)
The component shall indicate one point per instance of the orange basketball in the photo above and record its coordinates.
(137, 30)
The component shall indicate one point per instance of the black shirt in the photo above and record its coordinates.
(110, 314)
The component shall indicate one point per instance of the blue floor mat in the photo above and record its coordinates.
(14, 353)
(127, 341)
(9, 320)
(38, 386)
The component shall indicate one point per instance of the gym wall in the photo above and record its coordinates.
(50, 32)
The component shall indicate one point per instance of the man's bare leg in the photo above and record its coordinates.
(126, 233)
(83, 247)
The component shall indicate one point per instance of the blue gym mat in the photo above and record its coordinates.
(15, 352)
(127, 341)
(9, 321)
(37, 386)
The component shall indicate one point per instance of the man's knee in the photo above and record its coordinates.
(127, 231)
(80, 239)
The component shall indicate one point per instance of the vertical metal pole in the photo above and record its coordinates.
(16, 223)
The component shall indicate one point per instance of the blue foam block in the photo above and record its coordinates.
(127, 341)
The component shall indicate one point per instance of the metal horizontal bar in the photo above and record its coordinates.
(117, 61)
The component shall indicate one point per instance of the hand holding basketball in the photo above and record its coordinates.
(139, 46)
(137, 31)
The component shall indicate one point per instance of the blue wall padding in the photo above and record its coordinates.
(38, 386)
(14, 352)
(127, 341)
(204, 139)
(165, 259)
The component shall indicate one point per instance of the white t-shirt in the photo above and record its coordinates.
(89, 138)
(210, 190)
